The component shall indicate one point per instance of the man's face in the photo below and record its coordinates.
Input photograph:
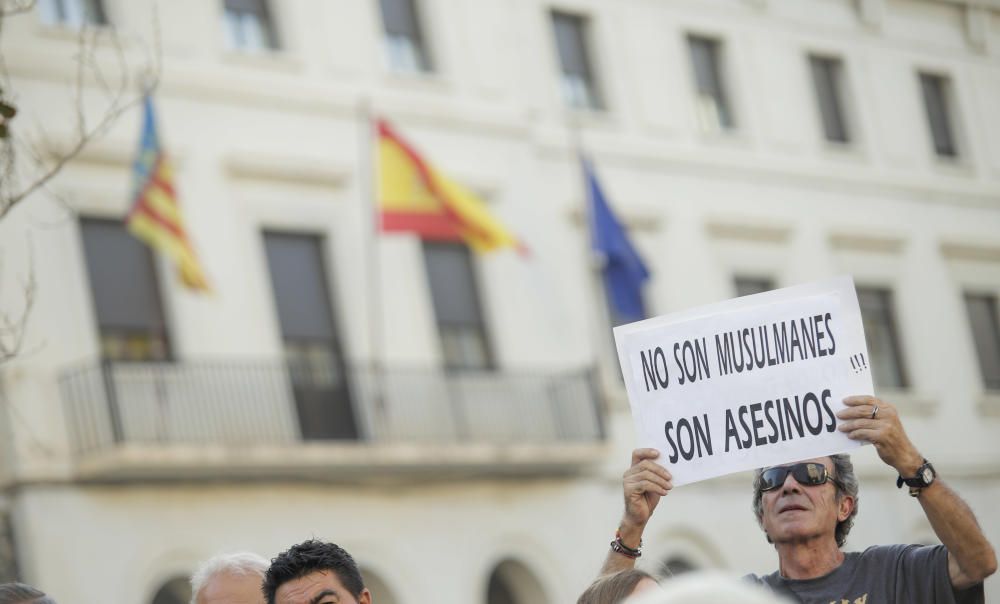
(797, 513)
(227, 588)
(320, 587)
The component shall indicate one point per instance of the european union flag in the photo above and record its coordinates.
(624, 271)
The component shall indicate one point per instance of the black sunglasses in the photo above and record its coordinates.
(808, 474)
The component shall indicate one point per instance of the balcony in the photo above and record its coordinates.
(244, 420)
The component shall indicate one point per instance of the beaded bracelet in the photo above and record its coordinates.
(619, 547)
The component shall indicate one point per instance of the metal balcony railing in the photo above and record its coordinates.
(271, 403)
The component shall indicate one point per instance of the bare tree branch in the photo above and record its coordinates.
(13, 328)
(118, 101)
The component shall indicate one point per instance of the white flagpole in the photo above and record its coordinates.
(369, 195)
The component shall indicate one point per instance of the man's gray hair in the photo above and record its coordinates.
(240, 564)
(845, 481)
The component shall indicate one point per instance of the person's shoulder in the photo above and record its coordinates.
(891, 549)
(896, 551)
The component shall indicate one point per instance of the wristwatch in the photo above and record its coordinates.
(924, 478)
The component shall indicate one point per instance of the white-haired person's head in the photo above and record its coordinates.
(706, 587)
(230, 579)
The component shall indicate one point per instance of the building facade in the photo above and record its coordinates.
(454, 420)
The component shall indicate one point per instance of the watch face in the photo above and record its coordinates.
(927, 475)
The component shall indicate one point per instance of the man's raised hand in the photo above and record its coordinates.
(876, 421)
(644, 483)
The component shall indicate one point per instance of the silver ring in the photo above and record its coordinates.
(874, 412)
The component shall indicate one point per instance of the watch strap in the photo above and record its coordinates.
(915, 482)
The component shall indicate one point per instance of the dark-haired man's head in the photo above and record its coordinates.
(19, 593)
(315, 572)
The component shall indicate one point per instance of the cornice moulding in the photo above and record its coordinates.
(977, 252)
(867, 242)
(749, 230)
(287, 169)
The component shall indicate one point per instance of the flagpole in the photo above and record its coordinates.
(368, 195)
(597, 288)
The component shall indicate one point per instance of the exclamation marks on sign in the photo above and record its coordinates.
(858, 362)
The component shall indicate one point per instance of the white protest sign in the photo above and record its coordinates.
(749, 382)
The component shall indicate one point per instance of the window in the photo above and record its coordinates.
(880, 331)
(746, 286)
(937, 103)
(311, 344)
(578, 84)
(828, 81)
(125, 292)
(403, 39)
(75, 13)
(713, 106)
(456, 306)
(982, 310)
(249, 25)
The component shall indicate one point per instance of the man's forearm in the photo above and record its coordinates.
(955, 525)
(616, 562)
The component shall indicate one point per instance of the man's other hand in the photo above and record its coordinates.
(876, 421)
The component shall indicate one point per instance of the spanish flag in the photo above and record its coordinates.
(155, 217)
(414, 197)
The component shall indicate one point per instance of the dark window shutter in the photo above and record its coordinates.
(570, 42)
(705, 60)
(300, 286)
(883, 340)
(826, 75)
(400, 18)
(450, 273)
(933, 88)
(256, 7)
(122, 277)
(982, 311)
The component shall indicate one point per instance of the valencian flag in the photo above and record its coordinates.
(414, 197)
(155, 217)
(624, 271)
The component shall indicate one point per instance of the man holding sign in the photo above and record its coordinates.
(762, 381)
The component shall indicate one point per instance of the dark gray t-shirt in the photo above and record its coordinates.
(882, 574)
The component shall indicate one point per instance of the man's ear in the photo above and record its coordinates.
(366, 597)
(845, 508)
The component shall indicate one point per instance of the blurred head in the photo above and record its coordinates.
(614, 588)
(315, 572)
(706, 588)
(19, 593)
(795, 512)
(229, 579)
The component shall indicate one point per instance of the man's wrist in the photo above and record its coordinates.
(618, 546)
(908, 468)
